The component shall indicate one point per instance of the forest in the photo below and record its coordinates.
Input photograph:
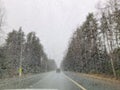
(23, 52)
(95, 45)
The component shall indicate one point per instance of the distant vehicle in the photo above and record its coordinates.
(58, 70)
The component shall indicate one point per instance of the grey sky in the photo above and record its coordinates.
(54, 21)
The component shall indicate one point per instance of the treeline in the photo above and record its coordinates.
(95, 45)
(25, 53)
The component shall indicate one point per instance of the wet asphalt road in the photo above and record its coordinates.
(58, 81)
(45, 81)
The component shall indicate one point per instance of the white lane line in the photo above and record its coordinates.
(80, 86)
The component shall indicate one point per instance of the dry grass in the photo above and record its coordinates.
(102, 77)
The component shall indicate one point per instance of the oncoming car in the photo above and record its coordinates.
(58, 70)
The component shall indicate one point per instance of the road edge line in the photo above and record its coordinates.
(80, 86)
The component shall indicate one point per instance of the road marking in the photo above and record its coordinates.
(80, 86)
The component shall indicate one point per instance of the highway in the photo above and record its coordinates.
(58, 81)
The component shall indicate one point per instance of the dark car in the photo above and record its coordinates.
(58, 70)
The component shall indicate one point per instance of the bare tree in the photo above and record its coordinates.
(1, 15)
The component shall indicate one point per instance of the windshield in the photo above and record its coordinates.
(59, 44)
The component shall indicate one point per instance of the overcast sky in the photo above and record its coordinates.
(54, 21)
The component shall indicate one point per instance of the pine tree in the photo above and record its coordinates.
(34, 53)
(13, 50)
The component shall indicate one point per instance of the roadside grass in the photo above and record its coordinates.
(104, 77)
